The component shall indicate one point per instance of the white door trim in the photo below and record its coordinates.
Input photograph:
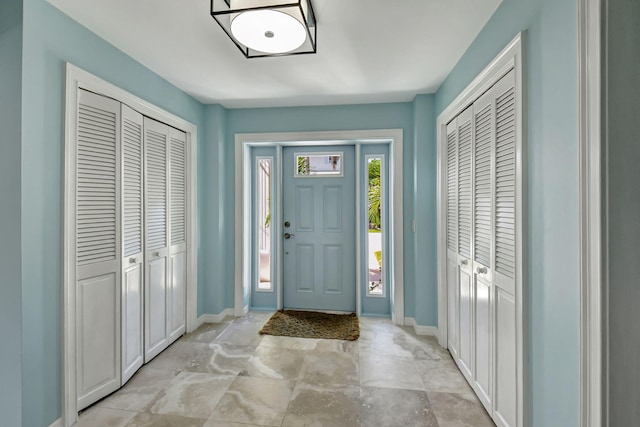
(244, 141)
(76, 79)
(510, 58)
(592, 261)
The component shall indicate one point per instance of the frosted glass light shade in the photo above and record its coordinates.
(266, 28)
(268, 31)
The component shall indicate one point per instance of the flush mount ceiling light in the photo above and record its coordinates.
(262, 28)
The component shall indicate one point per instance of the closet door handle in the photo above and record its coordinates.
(132, 260)
(156, 253)
(481, 270)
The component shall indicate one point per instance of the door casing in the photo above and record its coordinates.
(243, 251)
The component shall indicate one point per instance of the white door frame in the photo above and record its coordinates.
(593, 388)
(510, 58)
(77, 79)
(243, 143)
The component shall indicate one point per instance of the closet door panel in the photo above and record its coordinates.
(132, 241)
(97, 248)
(483, 202)
(505, 183)
(466, 343)
(98, 338)
(157, 297)
(132, 322)
(453, 299)
(177, 289)
(452, 188)
(482, 381)
(465, 241)
(156, 309)
(178, 222)
(505, 255)
(505, 360)
(453, 288)
(465, 183)
(178, 187)
(483, 198)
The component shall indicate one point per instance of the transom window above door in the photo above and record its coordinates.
(318, 165)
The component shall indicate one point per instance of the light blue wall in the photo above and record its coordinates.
(10, 245)
(551, 247)
(425, 178)
(306, 119)
(50, 39)
(213, 271)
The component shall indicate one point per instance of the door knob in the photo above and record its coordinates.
(288, 235)
(156, 253)
(481, 270)
(132, 260)
(464, 262)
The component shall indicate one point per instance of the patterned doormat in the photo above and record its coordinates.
(311, 324)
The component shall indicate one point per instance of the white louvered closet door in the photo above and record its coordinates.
(177, 234)
(483, 202)
(465, 250)
(157, 304)
(481, 195)
(97, 248)
(132, 240)
(453, 288)
(504, 267)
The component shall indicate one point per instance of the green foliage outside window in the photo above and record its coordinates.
(374, 194)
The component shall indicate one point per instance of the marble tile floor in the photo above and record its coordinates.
(227, 375)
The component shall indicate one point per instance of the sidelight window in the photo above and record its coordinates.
(375, 234)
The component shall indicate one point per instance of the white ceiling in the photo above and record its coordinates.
(368, 50)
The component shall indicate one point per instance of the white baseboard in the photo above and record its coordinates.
(214, 318)
(431, 331)
(57, 423)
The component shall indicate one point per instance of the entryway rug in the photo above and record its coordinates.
(311, 324)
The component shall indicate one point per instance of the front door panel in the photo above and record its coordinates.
(319, 243)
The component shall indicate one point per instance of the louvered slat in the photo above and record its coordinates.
(96, 185)
(156, 195)
(452, 193)
(482, 194)
(464, 189)
(505, 184)
(132, 185)
(178, 189)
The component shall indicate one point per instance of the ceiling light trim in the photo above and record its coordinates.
(224, 12)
